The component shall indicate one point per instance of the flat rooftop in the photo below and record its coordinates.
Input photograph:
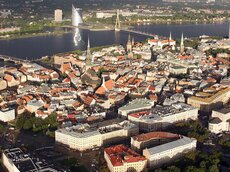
(21, 160)
(171, 145)
(137, 104)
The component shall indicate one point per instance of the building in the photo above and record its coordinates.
(15, 160)
(58, 15)
(214, 101)
(76, 16)
(147, 140)
(161, 117)
(122, 159)
(169, 152)
(220, 121)
(84, 136)
(135, 106)
(7, 114)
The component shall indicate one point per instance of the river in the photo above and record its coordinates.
(36, 47)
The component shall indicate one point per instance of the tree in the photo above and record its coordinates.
(20, 121)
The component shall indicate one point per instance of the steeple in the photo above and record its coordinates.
(133, 42)
(229, 31)
(170, 36)
(182, 43)
(129, 44)
(88, 56)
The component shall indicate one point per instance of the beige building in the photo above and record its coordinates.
(169, 152)
(215, 101)
(58, 15)
(220, 121)
(84, 136)
(122, 159)
(7, 114)
(3, 84)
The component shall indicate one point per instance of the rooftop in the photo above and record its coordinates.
(171, 145)
(155, 135)
(121, 154)
(137, 104)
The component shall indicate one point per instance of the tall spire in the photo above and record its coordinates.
(133, 42)
(182, 43)
(170, 36)
(88, 56)
(129, 44)
(229, 31)
(88, 46)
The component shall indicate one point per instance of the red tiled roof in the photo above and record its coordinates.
(121, 154)
(155, 135)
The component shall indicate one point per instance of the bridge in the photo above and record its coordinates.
(14, 59)
(138, 32)
(119, 28)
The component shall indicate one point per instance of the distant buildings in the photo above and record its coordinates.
(76, 16)
(168, 152)
(58, 15)
(220, 121)
(121, 159)
(84, 136)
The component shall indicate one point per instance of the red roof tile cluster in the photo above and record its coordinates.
(121, 154)
(155, 135)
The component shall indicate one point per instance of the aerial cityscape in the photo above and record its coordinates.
(115, 86)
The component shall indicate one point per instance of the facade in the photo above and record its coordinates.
(83, 137)
(147, 140)
(76, 16)
(215, 101)
(135, 106)
(168, 152)
(122, 159)
(58, 15)
(7, 114)
(161, 117)
(220, 121)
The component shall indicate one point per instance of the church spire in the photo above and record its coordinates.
(88, 56)
(229, 31)
(182, 43)
(170, 36)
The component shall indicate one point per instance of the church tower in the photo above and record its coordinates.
(182, 44)
(229, 31)
(88, 62)
(129, 44)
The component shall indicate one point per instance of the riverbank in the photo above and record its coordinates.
(14, 37)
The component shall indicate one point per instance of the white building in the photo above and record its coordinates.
(7, 115)
(135, 106)
(83, 136)
(161, 117)
(220, 121)
(76, 16)
(58, 15)
(168, 152)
